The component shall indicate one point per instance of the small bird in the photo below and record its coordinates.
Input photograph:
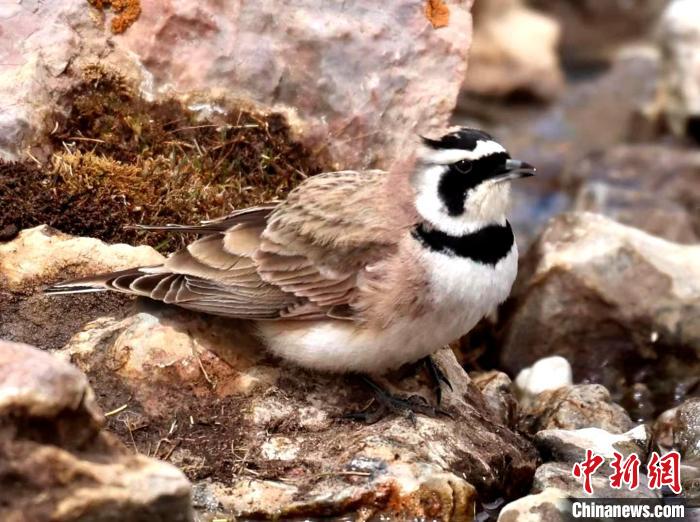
(356, 271)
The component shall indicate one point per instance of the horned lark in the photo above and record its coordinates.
(354, 271)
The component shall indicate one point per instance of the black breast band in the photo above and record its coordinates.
(487, 245)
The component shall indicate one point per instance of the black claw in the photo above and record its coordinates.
(437, 376)
(390, 404)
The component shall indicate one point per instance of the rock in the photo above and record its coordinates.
(41, 256)
(620, 305)
(573, 408)
(550, 505)
(497, 390)
(559, 475)
(271, 439)
(591, 114)
(549, 373)
(651, 187)
(51, 433)
(592, 30)
(679, 429)
(679, 38)
(514, 52)
(357, 80)
(26, 260)
(569, 446)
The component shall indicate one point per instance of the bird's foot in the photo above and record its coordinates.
(387, 403)
(437, 377)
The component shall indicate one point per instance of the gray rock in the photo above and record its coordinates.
(356, 79)
(594, 29)
(570, 446)
(651, 187)
(679, 429)
(549, 505)
(572, 408)
(498, 394)
(514, 51)
(56, 463)
(200, 392)
(679, 40)
(625, 305)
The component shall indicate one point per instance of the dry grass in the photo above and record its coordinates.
(127, 160)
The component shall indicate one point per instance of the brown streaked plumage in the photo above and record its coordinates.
(354, 271)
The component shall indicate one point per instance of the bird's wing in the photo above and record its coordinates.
(298, 260)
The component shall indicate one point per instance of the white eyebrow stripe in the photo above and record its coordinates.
(446, 156)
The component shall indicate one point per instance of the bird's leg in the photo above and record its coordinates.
(437, 376)
(387, 403)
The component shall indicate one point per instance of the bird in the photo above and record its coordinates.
(355, 271)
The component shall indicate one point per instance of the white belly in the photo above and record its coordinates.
(461, 291)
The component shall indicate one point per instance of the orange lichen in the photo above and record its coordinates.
(437, 13)
(125, 12)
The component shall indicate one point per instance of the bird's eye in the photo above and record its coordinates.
(463, 166)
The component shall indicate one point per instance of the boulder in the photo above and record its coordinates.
(271, 439)
(572, 408)
(42, 256)
(513, 53)
(679, 429)
(570, 446)
(550, 505)
(592, 30)
(679, 41)
(56, 461)
(258, 437)
(357, 80)
(497, 389)
(620, 305)
(651, 187)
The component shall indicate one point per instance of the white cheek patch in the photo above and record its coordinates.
(447, 156)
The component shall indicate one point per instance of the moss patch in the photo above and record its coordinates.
(120, 160)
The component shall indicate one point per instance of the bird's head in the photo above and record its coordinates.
(462, 180)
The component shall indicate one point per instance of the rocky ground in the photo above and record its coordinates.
(124, 409)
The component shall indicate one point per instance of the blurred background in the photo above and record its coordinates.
(603, 96)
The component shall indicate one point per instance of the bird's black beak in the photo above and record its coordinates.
(514, 169)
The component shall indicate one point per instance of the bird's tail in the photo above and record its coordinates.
(96, 283)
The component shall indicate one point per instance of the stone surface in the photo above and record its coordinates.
(549, 373)
(497, 389)
(42, 256)
(592, 30)
(574, 407)
(357, 79)
(593, 278)
(272, 439)
(55, 461)
(45, 254)
(549, 505)
(652, 187)
(569, 446)
(514, 52)
(593, 112)
(679, 40)
(679, 429)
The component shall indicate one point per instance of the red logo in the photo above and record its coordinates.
(625, 471)
(661, 471)
(665, 471)
(586, 468)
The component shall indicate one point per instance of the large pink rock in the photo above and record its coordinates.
(363, 78)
